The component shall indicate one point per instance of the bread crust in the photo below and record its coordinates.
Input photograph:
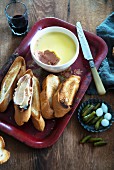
(21, 116)
(49, 87)
(16, 70)
(38, 122)
(37, 118)
(64, 96)
(4, 154)
(59, 109)
(2, 143)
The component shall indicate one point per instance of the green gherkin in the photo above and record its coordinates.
(85, 139)
(89, 117)
(100, 143)
(95, 139)
(97, 125)
(88, 110)
(85, 108)
(96, 106)
(95, 120)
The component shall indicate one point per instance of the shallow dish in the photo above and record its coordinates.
(54, 127)
(91, 127)
(58, 67)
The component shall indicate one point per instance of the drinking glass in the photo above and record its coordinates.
(16, 13)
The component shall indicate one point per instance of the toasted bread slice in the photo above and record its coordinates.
(2, 143)
(23, 98)
(49, 86)
(8, 84)
(37, 118)
(64, 96)
(4, 154)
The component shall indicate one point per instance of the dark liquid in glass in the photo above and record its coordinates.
(19, 24)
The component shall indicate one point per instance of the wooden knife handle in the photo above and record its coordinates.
(99, 85)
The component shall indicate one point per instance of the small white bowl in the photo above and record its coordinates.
(54, 68)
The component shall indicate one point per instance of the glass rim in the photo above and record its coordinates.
(14, 3)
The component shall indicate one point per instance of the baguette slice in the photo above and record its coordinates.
(37, 118)
(49, 86)
(23, 98)
(64, 96)
(4, 154)
(8, 84)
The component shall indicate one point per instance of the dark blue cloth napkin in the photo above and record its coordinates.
(106, 71)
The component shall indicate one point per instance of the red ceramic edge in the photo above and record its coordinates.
(50, 140)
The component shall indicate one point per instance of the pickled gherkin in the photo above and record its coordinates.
(85, 108)
(95, 139)
(97, 125)
(85, 139)
(89, 117)
(100, 143)
(97, 106)
(95, 120)
(88, 110)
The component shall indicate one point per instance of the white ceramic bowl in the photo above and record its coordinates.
(54, 68)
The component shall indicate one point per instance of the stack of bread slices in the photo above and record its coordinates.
(53, 101)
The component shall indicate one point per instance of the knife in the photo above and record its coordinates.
(88, 56)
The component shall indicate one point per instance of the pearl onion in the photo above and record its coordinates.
(108, 116)
(99, 112)
(105, 122)
(104, 107)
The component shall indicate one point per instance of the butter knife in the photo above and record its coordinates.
(88, 56)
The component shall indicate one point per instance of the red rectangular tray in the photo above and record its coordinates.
(54, 127)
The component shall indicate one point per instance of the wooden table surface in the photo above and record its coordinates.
(66, 153)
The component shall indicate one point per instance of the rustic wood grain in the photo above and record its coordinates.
(66, 153)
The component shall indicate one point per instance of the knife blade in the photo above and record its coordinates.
(88, 56)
